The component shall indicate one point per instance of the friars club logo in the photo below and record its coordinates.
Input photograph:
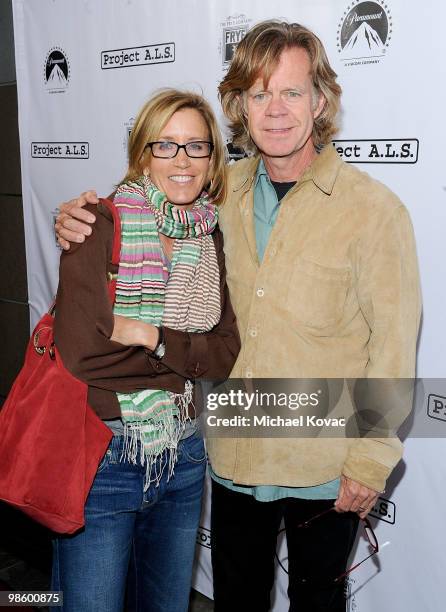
(234, 29)
(234, 153)
(364, 32)
(349, 595)
(54, 214)
(56, 70)
(128, 127)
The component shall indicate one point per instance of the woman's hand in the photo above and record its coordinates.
(130, 332)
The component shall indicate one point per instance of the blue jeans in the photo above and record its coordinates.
(145, 541)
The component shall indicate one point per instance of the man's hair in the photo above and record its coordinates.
(257, 55)
(151, 120)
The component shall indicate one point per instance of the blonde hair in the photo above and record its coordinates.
(149, 123)
(258, 55)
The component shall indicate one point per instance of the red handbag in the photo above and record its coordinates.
(51, 440)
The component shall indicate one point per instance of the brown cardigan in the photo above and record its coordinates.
(84, 323)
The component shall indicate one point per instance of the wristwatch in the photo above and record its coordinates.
(160, 349)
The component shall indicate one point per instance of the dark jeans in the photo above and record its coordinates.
(244, 538)
(149, 536)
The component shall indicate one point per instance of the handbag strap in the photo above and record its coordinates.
(116, 249)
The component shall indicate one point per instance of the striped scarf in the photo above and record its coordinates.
(186, 299)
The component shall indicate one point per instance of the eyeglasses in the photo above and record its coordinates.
(167, 149)
(369, 533)
(371, 538)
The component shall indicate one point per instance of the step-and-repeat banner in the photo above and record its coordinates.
(84, 67)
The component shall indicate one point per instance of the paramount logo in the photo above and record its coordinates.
(364, 32)
(364, 40)
(56, 70)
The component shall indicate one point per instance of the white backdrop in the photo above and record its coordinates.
(84, 67)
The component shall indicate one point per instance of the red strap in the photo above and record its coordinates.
(116, 251)
(112, 290)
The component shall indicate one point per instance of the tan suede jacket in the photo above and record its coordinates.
(336, 295)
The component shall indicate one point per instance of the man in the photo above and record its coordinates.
(322, 270)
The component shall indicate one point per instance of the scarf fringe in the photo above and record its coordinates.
(169, 434)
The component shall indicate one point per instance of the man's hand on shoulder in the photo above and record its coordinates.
(355, 497)
(72, 222)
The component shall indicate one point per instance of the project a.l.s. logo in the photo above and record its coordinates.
(203, 537)
(436, 407)
(364, 32)
(56, 70)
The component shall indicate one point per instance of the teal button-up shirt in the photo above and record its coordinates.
(266, 208)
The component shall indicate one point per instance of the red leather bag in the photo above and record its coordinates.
(51, 441)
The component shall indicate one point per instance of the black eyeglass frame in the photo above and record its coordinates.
(178, 147)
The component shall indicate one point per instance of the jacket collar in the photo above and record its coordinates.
(323, 171)
(245, 172)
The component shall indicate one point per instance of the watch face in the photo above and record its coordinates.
(160, 351)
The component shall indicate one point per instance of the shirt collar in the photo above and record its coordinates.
(261, 172)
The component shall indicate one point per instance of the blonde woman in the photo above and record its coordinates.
(172, 322)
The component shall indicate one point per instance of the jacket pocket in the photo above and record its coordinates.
(317, 294)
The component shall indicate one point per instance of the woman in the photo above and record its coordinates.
(172, 322)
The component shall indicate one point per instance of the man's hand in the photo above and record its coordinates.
(355, 497)
(131, 332)
(72, 221)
